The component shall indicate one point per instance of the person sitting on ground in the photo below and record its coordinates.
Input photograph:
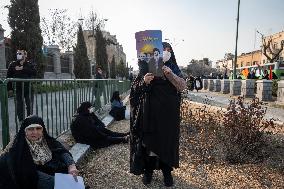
(33, 157)
(87, 128)
(117, 109)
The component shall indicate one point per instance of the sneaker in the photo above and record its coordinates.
(147, 178)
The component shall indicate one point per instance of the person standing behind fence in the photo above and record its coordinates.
(23, 69)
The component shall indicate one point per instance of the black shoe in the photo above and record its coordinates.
(147, 178)
(126, 139)
(168, 179)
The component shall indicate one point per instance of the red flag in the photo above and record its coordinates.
(270, 72)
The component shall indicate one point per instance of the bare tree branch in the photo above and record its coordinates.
(59, 29)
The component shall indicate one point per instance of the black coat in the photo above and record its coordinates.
(161, 121)
(85, 130)
(154, 122)
(17, 169)
(27, 72)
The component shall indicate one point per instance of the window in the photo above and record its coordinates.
(275, 45)
(64, 60)
(49, 63)
(263, 61)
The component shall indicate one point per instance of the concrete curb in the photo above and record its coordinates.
(79, 150)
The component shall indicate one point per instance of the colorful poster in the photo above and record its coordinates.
(149, 48)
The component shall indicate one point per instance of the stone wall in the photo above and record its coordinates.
(235, 87)
(205, 84)
(211, 85)
(280, 92)
(225, 86)
(2, 49)
(3, 73)
(248, 86)
(217, 85)
(52, 75)
(264, 90)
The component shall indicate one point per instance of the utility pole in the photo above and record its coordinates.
(236, 47)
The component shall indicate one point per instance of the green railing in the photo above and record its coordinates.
(55, 100)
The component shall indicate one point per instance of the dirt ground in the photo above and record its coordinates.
(109, 167)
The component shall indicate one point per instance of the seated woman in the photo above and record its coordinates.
(33, 157)
(117, 109)
(87, 128)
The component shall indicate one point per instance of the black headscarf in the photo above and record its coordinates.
(172, 63)
(115, 96)
(19, 159)
(83, 108)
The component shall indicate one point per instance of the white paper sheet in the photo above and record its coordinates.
(67, 181)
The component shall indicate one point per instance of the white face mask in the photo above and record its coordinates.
(166, 56)
(91, 110)
(19, 57)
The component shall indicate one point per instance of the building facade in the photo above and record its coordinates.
(249, 59)
(58, 65)
(276, 40)
(114, 49)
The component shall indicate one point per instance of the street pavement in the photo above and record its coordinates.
(222, 100)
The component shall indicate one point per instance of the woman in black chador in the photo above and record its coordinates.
(155, 119)
(33, 157)
(87, 128)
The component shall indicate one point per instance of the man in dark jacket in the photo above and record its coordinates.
(23, 69)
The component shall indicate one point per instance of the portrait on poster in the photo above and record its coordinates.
(150, 49)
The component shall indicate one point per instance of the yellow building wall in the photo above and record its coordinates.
(249, 59)
(277, 38)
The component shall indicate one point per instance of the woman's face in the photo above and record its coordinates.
(34, 133)
(167, 49)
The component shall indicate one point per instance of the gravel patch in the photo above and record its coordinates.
(109, 167)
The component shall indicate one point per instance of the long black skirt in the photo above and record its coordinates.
(161, 120)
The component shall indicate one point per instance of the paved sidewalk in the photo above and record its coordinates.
(222, 100)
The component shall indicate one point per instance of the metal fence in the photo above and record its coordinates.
(55, 100)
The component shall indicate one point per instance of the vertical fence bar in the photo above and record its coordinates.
(63, 105)
(41, 100)
(22, 100)
(75, 95)
(51, 108)
(59, 106)
(4, 114)
(47, 113)
(70, 100)
(35, 93)
(56, 110)
(15, 103)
